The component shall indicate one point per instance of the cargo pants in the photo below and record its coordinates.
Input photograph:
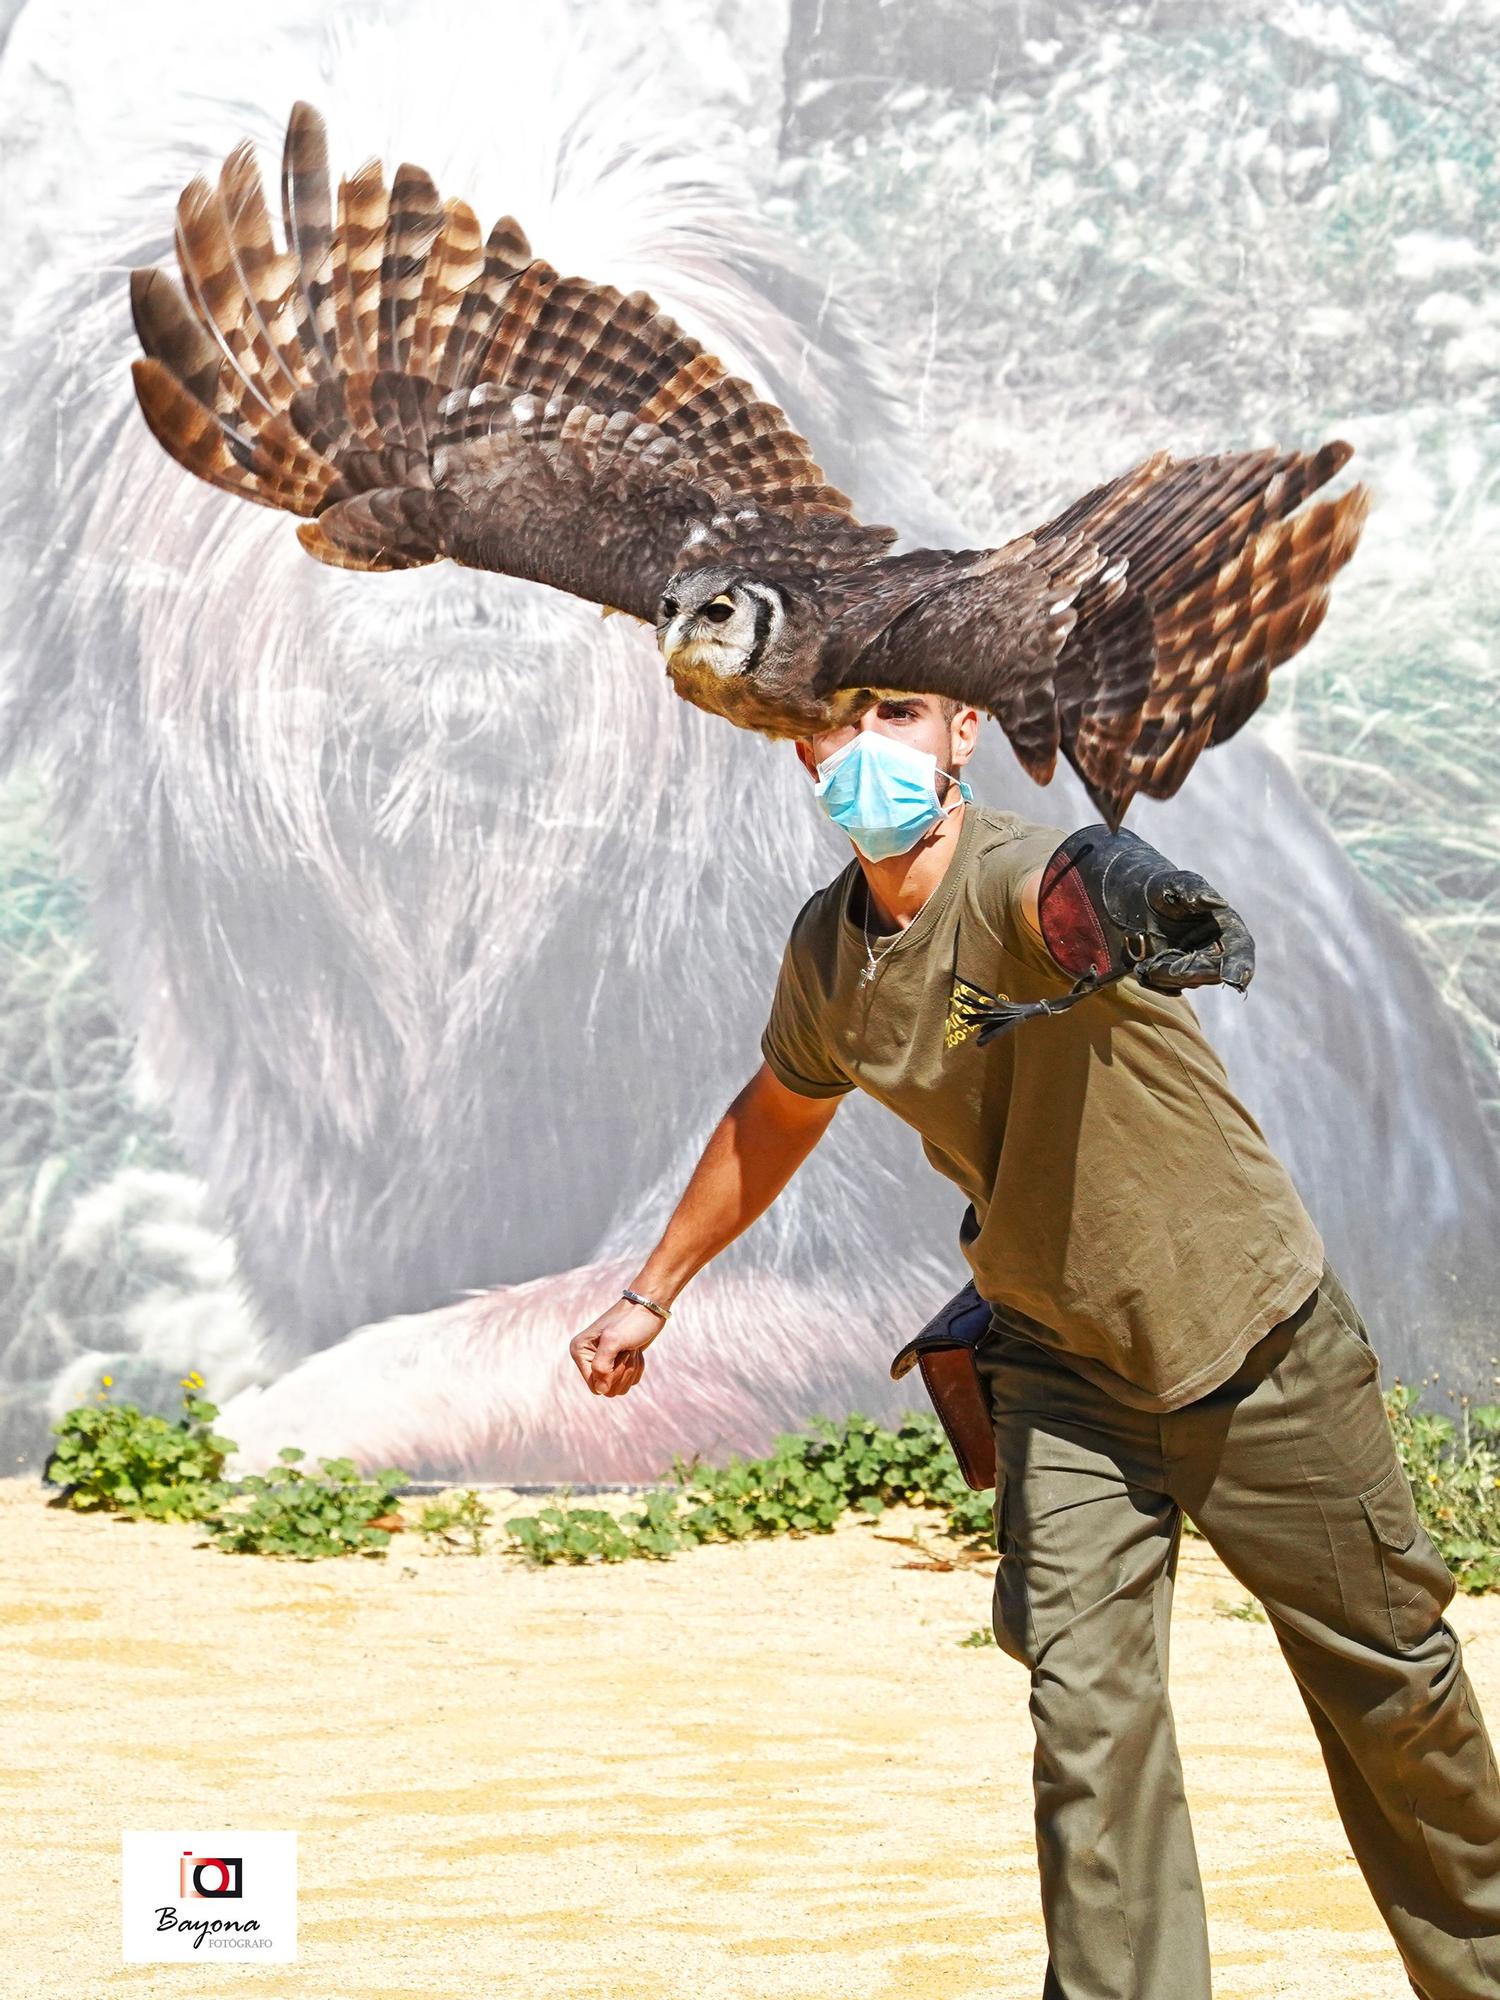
(1290, 1472)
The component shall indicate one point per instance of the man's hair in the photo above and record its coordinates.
(950, 705)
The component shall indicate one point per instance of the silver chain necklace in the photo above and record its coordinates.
(874, 960)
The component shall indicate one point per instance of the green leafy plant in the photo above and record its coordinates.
(980, 1636)
(582, 1534)
(1454, 1469)
(112, 1456)
(804, 1485)
(810, 1481)
(289, 1513)
(452, 1520)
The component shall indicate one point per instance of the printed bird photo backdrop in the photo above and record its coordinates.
(381, 947)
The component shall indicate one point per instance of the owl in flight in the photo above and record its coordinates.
(414, 390)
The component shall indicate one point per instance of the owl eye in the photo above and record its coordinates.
(719, 610)
(669, 607)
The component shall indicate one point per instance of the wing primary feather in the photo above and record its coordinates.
(506, 254)
(265, 276)
(198, 439)
(453, 265)
(358, 245)
(412, 228)
(307, 217)
(170, 332)
(207, 275)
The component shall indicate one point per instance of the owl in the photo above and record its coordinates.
(415, 390)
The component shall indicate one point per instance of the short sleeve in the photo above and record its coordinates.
(791, 1041)
(1011, 867)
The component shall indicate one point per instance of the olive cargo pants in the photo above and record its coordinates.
(1290, 1472)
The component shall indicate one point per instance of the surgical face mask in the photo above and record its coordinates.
(883, 793)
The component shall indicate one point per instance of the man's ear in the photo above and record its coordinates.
(965, 736)
(806, 758)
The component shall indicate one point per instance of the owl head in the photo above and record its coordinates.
(716, 621)
(742, 645)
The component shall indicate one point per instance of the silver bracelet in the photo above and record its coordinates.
(636, 1299)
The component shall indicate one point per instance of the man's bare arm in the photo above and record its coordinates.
(753, 1151)
(1030, 889)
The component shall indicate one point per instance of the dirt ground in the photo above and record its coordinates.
(752, 1771)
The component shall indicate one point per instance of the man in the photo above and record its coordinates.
(1166, 1339)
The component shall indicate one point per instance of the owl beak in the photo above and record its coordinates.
(694, 650)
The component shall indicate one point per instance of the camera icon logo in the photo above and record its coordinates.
(210, 1876)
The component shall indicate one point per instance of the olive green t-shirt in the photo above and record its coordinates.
(1124, 1207)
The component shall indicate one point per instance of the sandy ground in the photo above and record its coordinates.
(754, 1771)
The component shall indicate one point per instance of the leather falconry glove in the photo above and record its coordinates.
(1109, 905)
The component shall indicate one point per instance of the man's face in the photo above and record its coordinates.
(916, 719)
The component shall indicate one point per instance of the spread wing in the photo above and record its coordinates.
(1133, 631)
(415, 390)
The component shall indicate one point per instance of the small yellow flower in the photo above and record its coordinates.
(108, 1381)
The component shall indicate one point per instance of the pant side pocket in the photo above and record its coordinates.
(1418, 1585)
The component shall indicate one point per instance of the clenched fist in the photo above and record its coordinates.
(611, 1351)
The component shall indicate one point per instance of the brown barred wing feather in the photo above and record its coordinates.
(985, 626)
(1247, 614)
(414, 392)
(1139, 626)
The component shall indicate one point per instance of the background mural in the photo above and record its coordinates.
(378, 952)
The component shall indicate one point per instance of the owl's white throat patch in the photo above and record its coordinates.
(693, 652)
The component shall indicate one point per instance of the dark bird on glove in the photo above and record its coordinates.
(415, 390)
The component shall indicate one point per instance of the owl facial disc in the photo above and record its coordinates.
(712, 623)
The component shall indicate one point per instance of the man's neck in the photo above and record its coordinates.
(898, 888)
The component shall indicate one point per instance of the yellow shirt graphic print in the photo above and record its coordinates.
(967, 1011)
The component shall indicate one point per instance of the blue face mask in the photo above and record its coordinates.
(883, 793)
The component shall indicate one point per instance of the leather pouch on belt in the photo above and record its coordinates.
(944, 1351)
